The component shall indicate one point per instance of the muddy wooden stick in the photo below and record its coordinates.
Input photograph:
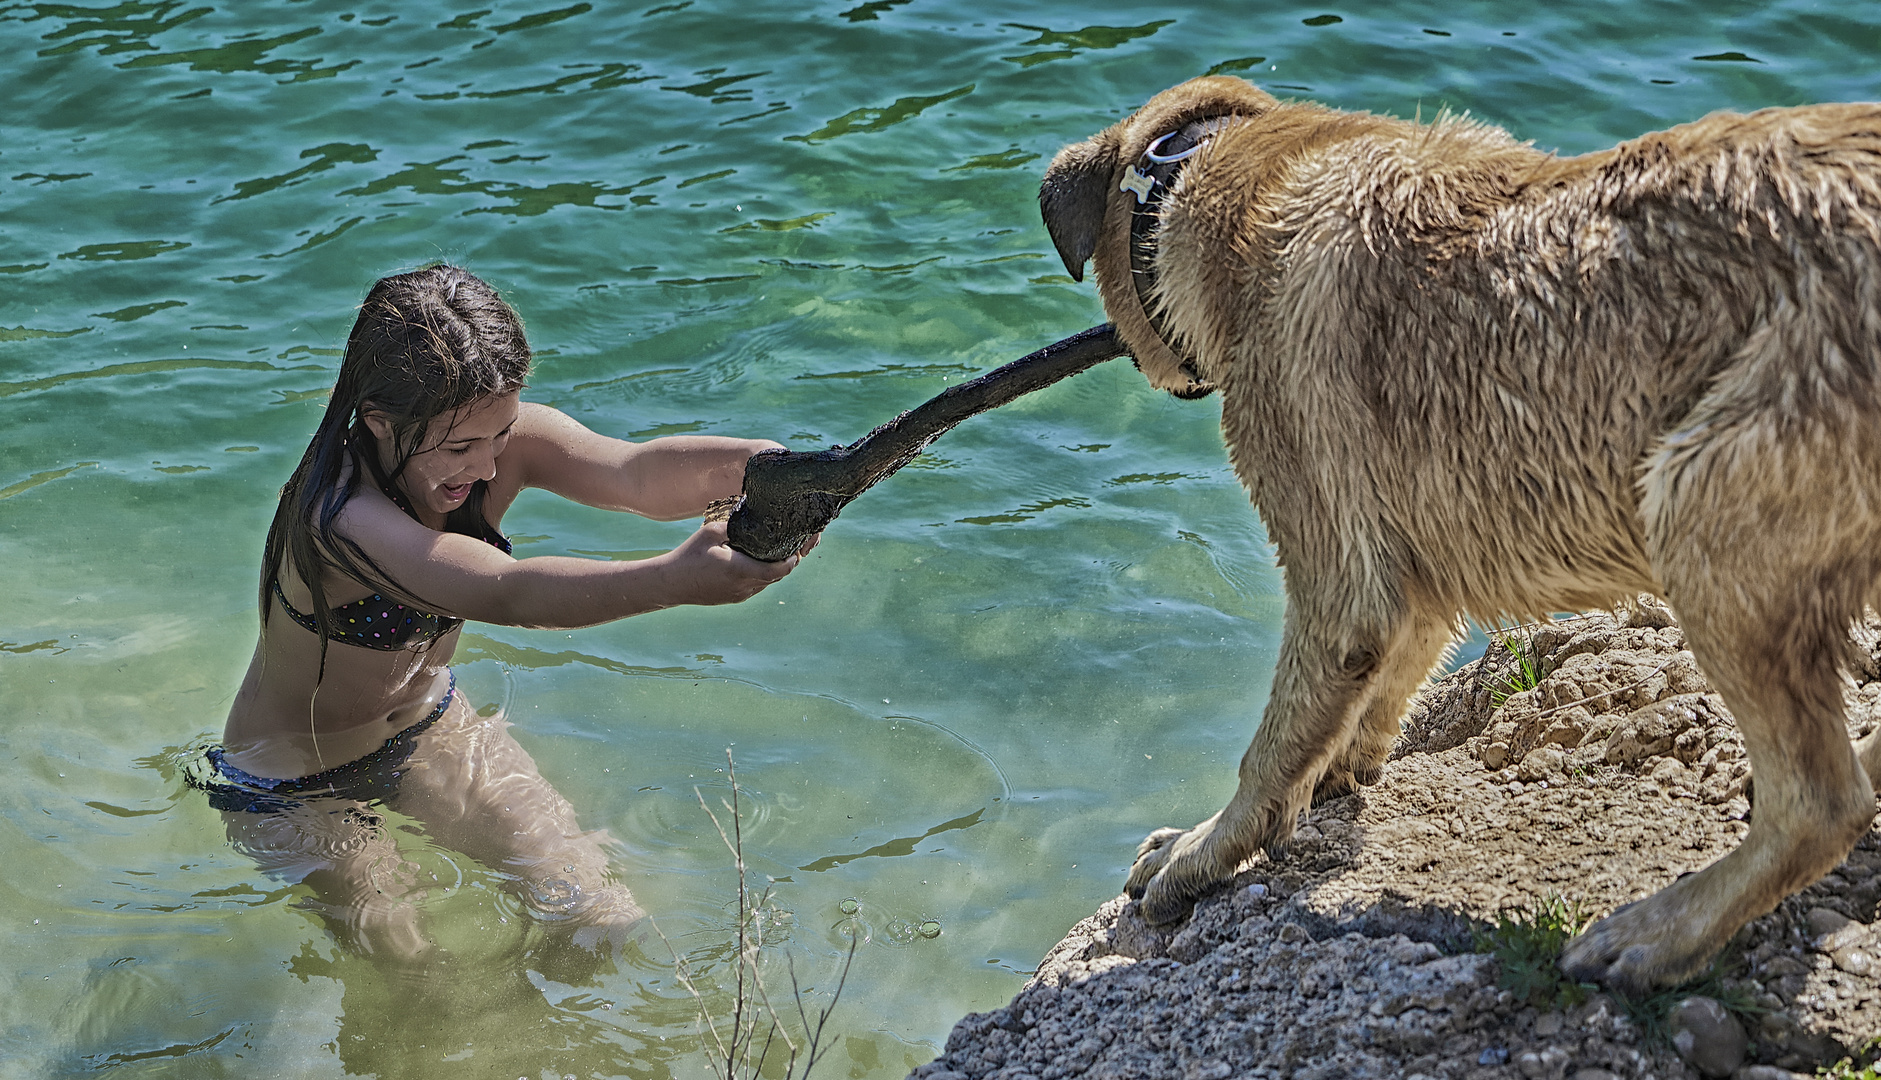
(790, 496)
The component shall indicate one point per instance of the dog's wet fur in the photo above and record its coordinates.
(1463, 377)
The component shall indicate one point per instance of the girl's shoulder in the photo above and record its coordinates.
(545, 442)
(536, 422)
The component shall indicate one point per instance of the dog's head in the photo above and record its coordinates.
(1087, 211)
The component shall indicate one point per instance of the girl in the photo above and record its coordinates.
(385, 541)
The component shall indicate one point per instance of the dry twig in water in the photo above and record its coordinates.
(739, 1045)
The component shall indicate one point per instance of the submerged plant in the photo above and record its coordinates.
(740, 1045)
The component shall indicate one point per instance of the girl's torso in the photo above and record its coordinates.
(289, 719)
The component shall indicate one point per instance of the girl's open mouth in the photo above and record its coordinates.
(455, 492)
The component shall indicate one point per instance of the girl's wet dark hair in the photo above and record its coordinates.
(426, 342)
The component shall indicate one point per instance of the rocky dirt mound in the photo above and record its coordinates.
(1351, 955)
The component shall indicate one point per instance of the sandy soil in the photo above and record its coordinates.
(1351, 955)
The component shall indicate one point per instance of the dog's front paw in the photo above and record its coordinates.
(1151, 855)
(1150, 858)
(1172, 868)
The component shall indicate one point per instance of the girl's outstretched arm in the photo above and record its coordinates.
(664, 479)
(458, 575)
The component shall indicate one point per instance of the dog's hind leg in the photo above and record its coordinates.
(1328, 671)
(1868, 752)
(1754, 526)
(1403, 668)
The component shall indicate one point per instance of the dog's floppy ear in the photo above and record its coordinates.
(1073, 197)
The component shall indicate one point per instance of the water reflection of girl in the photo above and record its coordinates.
(384, 541)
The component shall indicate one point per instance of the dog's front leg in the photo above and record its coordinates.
(1324, 679)
(1402, 669)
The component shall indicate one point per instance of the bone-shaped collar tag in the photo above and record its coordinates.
(1138, 184)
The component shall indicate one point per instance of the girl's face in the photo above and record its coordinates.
(459, 448)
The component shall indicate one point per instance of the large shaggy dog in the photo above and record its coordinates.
(1461, 376)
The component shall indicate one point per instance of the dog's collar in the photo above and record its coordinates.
(1149, 180)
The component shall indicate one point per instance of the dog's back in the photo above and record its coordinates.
(1490, 340)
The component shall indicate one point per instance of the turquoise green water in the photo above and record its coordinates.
(1002, 667)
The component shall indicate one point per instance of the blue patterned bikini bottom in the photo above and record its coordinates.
(374, 776)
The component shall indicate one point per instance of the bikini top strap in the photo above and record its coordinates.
(306, 621)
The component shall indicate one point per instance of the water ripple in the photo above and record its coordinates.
(118, 29)
(1065, 44)
(868, 120)
(125, 250)
(247, 55)
(137, 367)
(138, 311)
(542, 18)
(603, 77)
(325, 157)
(872, 10)
(720, 90)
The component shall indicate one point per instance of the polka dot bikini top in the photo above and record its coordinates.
(378, 623)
